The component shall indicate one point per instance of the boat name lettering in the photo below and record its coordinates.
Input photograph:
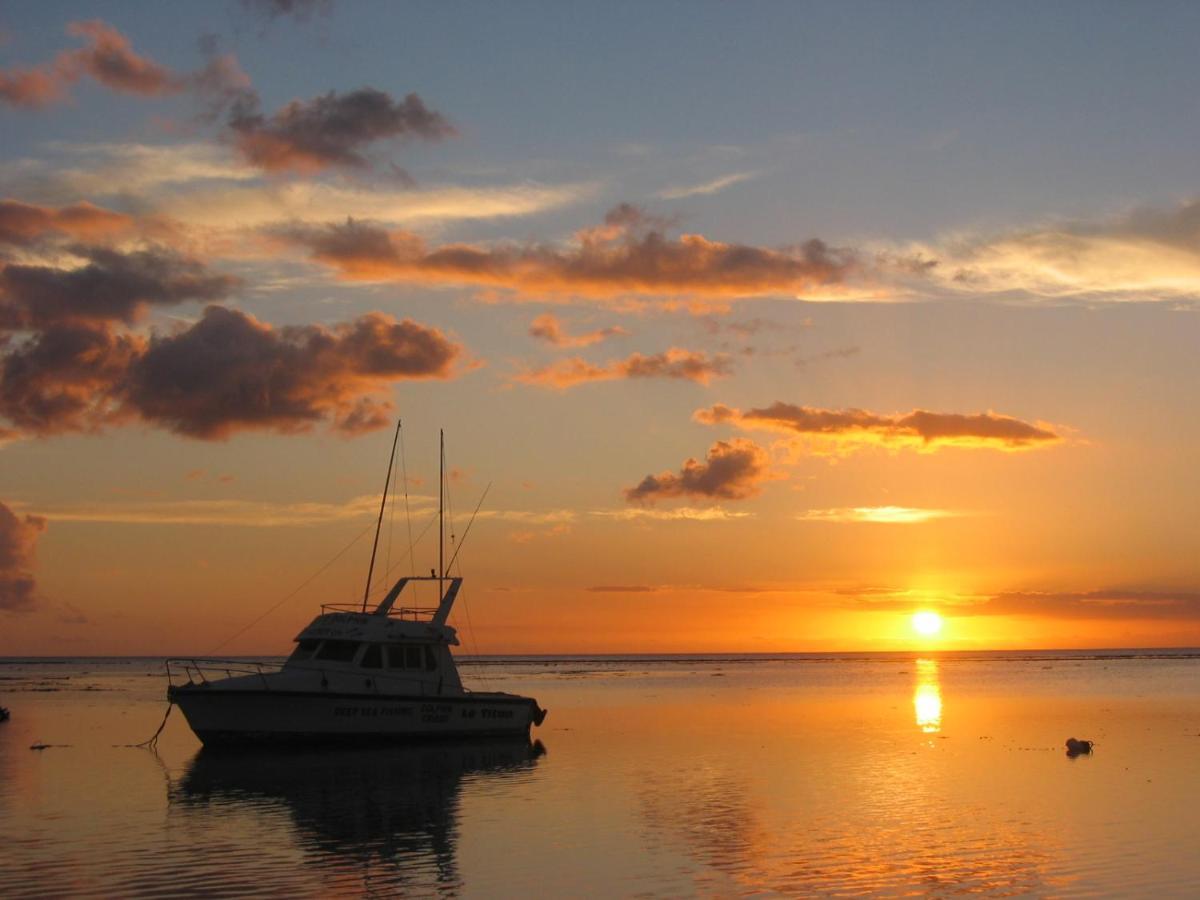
(435, 712)
(367, 712)
(487, 713)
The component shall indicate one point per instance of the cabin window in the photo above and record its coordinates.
(373, 657)
(304, 649)
(395, 657)
(412, 657)
(337, 651)
(430, 659)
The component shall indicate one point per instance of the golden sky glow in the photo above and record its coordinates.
(772, 379)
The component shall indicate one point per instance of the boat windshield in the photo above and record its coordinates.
(304, 650)
(411, 657)
(373, 657)
(337, 651)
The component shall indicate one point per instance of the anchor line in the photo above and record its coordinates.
(152, 743)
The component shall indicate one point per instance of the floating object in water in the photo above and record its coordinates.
(3, 714)
(1078, 748)
(355, 676)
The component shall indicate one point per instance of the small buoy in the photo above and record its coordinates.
(1078, 748)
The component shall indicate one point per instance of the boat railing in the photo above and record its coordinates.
(202, 671)
(408, 613)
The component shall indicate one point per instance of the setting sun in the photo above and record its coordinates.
(926, 623)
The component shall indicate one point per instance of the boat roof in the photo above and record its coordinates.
(388, 622)
(359, 626)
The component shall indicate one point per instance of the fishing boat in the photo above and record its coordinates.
(355, 675)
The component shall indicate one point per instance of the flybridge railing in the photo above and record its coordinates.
(409, 613)
(203, 671)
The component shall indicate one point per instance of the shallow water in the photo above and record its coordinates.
(834, 775)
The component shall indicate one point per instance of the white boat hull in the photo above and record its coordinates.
(221, 717)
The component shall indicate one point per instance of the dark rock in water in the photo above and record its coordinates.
(1078, 748)
(3, 714)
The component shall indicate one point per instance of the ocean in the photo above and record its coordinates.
(716, 776)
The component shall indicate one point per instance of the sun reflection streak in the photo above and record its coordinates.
(927, 697)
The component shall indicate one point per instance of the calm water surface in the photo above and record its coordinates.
(851, 775)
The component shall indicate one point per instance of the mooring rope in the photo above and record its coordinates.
(152, 743)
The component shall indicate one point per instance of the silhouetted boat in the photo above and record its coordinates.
(354, 676)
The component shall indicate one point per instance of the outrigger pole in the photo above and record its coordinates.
(378, 525)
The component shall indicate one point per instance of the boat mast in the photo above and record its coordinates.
(441, 508)
(379, 524)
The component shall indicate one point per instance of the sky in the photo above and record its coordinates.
(751, 327)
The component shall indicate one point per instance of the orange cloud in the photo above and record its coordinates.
(107, 57)
(547, 328)
(224, 374)
(31, 87)
(67, 377)
(732, 470)
(110, 60)
(919, 429)
(1102, 604)
(18, 537)
(1099, 604)
(308, 136)
(230, 372)
(630, 254)
(111, 286)
(676, 363)
(24, 223)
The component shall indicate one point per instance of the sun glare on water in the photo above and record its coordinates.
(926, 623)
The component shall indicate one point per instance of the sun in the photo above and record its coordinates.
(926, 623)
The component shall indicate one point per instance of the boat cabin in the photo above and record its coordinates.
(390, 643)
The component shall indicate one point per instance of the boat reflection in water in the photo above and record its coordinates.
(927, 697)
(387, 816)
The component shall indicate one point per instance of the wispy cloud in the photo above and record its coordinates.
(1100, 604)
(920, 429)
(530, 516)
(68, 170)
(1148, 254)
(676, 363)
(258, 205)
(686, 513)
(268, 514)
(247, 513)
(1110, 603)
(548, 328)
(706, 187)
(885, 515)
(206, 186)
